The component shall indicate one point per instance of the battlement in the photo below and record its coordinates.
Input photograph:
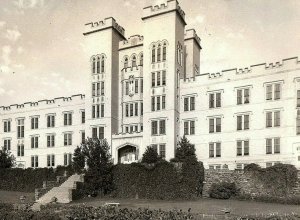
(257, 69)
(132, 41)
(42, 103)
(192, 34)
(168, 6)
(102, 25)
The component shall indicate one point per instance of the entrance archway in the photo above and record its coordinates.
(127, 154)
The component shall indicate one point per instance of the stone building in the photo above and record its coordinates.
(148, 90)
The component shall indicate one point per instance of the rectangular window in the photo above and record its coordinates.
(35, 142)
(142, 85)
(136, 110)
(218, 100)
(186, 104)
(192, 103)
(214, 149)
(162, 127)
(277, 119)
(102, 110)
(20, 128)
(242, 122)
(298, 122)
(298, 98)
(101, 133)
(158, 79)
(7, 145)
(239, 122)
(136, 86)
(152, 103)
(242, 148)
(127, 110)
(98, 88)
(162, 151)
(268, 146)
(273, 91)
(131, 109)
(154, 127)
(186, 128)
(163, 78)
(51, 140)
(239, 96)
(94, 133)
(215, 125)
(50, 121)
(211, 100)
(153, 79)
(67, 119)
(93, 89)
(243, 96)
(102, 88)
(163, 102)
(50, 160)
(20, 150)
(276, 145)
(34, 123)
(67, 159)
(142, 108)
(83, 137)
(7, 126)
(192, 127)
(215, 100)
(67, 139)
(83, 117)
(211, 125)
(272, 145)
(269, 119)
(34, 161)
(158, 103)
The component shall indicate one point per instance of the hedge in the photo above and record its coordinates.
(158, 181)
(27, 180)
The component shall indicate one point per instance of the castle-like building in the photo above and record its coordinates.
(148, 91)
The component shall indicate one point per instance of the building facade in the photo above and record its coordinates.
(148, 91)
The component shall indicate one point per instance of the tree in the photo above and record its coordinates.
(78, 160)
(185, 151)
(150, 155)
(7, 160)
(98, 176)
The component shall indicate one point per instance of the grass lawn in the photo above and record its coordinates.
(203, 206)
(14, 197)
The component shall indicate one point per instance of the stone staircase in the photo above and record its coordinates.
(63, 193)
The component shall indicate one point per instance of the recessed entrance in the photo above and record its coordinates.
(127, 154)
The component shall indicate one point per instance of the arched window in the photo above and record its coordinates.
(164, 52)
(94, 65)
(159, 53)
(141, 59)
(133, 61)
(102, 64)
(98, 64)
(153, 54)
(125, 62)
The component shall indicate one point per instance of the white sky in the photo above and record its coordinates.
(41, 41)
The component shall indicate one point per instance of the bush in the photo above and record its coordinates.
(162, 181)
(252, 167)
(7, 160)
(185, 151)
(222, 190)
(150, 156)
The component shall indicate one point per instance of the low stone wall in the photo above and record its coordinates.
(246, 184)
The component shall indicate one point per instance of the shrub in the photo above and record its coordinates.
(252, 167)
(222, 190)
(185, 151)
(7, 160)
(150, 156)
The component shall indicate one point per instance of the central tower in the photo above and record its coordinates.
(163, 67)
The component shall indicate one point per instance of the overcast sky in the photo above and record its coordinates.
(42, 47)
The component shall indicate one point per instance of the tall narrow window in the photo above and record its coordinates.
(153, 80)
(102, 110)
(159, 53)
(158, 103)
(298, 122)
(125, 62)
(162, 150)
(126, 88)
(136, 86)
(94, 65)
(154, 127)
(164, 52)
(126, 110)
(34, 123)
(153, 104)
(269, 93)
(83, 117)
(7, 145)
(136, 109)
(101, 132)
(35, 142)
(192, 103)
(102, 64)
(102, 88)
(162, 127)
(298, 98)
(153, 54)
(50, 121)
(133, 61)
(67, 139)
(51, 140)
(163, 78)
(20, 150)
(158, 79)
(7, 126)
(67, 118)
(163, 102)
(277, 91)
(20, 128)
(98, 64)
(186, 104)
(142, 85)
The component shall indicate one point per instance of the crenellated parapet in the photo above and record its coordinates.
(43, 103)
(168, 6)
(132, 41)
(257, 69)
(95, 26)
(191, 34)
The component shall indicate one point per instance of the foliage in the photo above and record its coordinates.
(163, 181)
(150, 156)
(78, 160)
(98, 176)
(185, 151)
(252, 167)
(280, 178)
(27, 180)
(7, 160)
(223, 190)
(291, 200)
